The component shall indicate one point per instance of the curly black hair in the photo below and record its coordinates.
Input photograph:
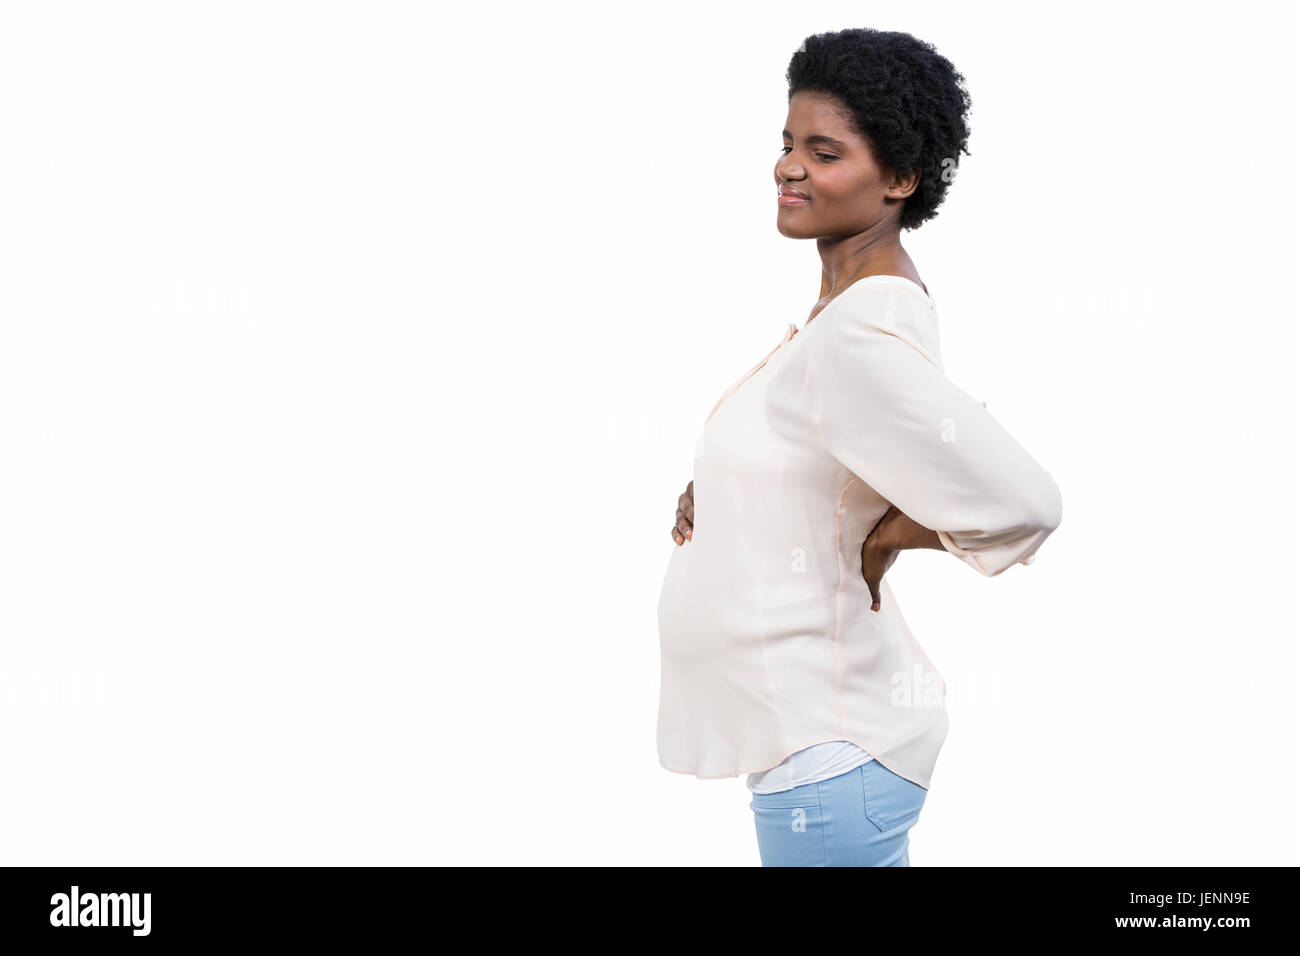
(909, 102)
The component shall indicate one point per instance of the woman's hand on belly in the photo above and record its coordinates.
(685, 514)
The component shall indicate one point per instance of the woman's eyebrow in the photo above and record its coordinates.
(816, 139)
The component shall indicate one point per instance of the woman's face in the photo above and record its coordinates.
(845, 192)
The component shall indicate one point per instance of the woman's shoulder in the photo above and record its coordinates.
(885, 304)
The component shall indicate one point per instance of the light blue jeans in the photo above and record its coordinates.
(859, 818)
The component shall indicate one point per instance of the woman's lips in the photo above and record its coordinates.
(791, 201)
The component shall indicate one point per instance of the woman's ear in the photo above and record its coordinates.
(903, 185)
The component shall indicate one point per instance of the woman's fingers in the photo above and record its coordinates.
(685, 525)
(875, 562)
(686, 511)
(876, 574)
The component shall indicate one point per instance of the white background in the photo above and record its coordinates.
(351, 360)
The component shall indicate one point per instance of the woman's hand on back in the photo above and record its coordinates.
(878, 554)
(685, 514)
(894, 532)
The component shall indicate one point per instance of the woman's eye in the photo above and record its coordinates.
(824, 157)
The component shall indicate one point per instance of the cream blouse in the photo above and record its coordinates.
(768, 643)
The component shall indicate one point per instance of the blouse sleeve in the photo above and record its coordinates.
(891, 416)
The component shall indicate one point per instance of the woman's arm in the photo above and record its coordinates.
(898, 532)
(889, 414)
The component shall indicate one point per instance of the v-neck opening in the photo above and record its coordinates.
(909, 284)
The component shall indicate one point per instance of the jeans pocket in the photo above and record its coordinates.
(789, 835)
(891, 801)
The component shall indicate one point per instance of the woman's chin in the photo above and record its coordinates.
(792, 231)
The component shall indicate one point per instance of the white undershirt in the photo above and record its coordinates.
(818, 762)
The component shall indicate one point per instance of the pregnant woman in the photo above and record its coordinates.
(784, 655)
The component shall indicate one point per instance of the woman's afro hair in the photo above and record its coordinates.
(902, 96)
